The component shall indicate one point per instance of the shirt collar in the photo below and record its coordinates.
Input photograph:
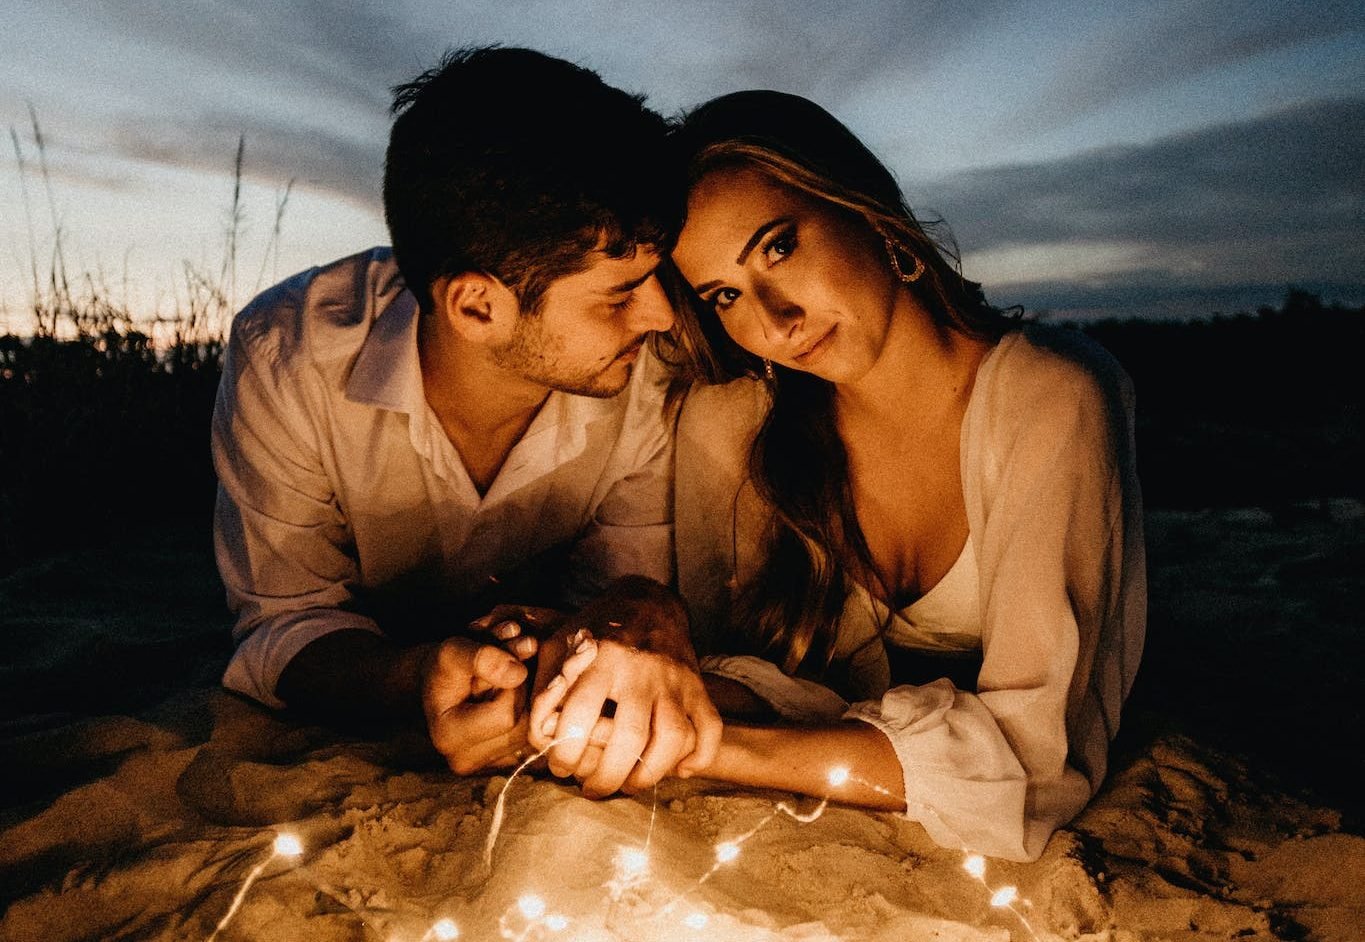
(388, 371)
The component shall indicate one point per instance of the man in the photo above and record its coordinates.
(406, 440)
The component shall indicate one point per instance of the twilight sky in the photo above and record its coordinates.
(1158, 158)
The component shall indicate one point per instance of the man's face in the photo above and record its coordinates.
(590, 326)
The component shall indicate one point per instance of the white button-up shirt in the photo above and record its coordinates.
(343, 505)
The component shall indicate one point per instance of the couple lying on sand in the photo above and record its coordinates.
(643, 424)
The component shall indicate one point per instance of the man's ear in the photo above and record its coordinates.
(477, 306)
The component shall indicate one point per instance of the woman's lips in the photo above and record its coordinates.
(817, 349)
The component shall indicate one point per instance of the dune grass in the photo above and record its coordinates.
(103, 413)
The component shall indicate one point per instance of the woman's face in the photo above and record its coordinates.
(792, 278)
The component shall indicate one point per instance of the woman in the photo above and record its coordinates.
(915, 519)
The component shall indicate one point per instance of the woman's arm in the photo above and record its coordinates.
(851, 763)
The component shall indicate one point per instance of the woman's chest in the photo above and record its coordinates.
(908, 498)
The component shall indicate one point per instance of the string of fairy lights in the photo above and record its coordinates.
(531, 918)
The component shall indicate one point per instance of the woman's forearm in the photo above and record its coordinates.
(812, 761)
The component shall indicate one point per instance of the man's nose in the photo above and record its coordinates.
(651, 310)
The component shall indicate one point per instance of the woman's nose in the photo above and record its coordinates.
(779, 314)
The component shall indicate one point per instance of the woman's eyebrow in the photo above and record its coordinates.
(759, 233)
(754, 239)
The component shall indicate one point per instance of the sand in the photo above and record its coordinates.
(142, 797)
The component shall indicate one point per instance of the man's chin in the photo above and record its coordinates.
(605, 385)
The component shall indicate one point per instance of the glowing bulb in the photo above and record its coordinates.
(727, 851)
(556, 923)
(696, 920)
(632, 862)
(287, 845)
(838, 776)
(445, 930)
(975, 864)
(575, 732)
(1004, 896)
(532, 907)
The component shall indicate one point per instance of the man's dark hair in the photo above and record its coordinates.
(518, 165)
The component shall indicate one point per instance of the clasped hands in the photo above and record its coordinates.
(616, 700)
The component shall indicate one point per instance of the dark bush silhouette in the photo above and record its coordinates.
(1260, 409)
(101, 434)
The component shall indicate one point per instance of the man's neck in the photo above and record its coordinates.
(483, 409)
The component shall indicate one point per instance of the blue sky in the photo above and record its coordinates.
(1156, 158)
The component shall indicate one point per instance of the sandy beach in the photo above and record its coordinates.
(141, 797)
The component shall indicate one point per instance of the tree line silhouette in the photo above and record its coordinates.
(102, 434)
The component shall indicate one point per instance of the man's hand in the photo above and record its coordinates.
(643, 665)
(510, 622)
(474, 704)
(471, 696)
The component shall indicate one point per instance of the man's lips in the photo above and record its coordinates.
(630, 352)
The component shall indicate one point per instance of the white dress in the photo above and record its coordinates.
(1050, 593)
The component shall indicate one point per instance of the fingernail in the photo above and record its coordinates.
(506, 631)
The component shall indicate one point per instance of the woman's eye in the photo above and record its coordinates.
(781, 246)
(724, 298)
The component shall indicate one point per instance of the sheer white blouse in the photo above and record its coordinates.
(1050, 592)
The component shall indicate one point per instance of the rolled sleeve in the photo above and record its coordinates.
(794, 699)
(280, 537)
(963, 782)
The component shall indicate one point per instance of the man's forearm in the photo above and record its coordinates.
(357, 674)
(639, 612)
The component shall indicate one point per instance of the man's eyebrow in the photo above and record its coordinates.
(754, 239)
(631, 285)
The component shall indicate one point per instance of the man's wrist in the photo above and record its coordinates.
(647, 615)
(358, 674)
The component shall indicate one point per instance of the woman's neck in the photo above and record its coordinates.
(924, 371)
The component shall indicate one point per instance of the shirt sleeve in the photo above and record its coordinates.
(280, 536)
(630, 531)
(794, 699)
(1062, 587)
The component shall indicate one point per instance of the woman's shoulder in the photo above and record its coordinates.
(723, 416)
(1050, 356)
(1041, 368)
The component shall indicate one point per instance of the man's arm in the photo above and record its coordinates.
(283, 547)
(469, 695)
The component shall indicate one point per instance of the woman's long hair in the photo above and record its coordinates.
(798, 465)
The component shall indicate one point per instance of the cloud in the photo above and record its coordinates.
(1281, 196)
(124, 87)
(275, 152)
(1159, 46)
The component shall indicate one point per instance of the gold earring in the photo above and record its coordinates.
(891, 249)
(768, 372)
